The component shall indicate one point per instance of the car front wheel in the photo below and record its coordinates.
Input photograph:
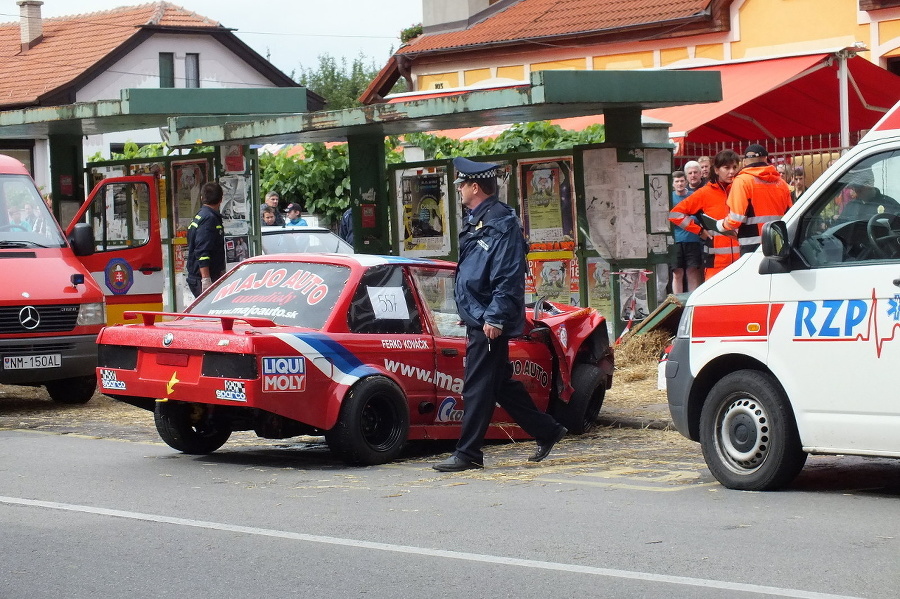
(373, 424)
(748, 433)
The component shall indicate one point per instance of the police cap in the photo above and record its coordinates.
(469, 170)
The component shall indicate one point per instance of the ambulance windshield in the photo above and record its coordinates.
(299, 294)
(25, 220)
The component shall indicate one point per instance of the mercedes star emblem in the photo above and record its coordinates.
(29, 317)
(168, 339)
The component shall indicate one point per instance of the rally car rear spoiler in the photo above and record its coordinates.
(227, 321)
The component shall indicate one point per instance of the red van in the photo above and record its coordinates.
(51, 309)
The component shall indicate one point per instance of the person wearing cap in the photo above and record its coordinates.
(490, 299)
(758, 195)
(206, 241)
(293, 216)
(271, 201)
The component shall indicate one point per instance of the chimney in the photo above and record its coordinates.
(30, 24)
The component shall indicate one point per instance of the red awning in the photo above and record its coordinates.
(784, 97)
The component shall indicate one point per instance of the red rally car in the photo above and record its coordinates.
(367, 350)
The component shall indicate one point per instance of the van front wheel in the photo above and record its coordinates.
(748, 433)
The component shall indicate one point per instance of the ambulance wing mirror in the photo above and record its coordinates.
(775, 248)
(775, 240)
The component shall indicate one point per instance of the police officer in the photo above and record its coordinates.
(490, 299)
(206, 241)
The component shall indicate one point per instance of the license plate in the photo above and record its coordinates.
(25, 362)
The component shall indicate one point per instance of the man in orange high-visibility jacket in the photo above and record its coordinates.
(758, 195)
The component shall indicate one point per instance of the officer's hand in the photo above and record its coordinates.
(205, 283)
(491, 332)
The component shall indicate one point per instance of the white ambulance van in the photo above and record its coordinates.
(792, 349)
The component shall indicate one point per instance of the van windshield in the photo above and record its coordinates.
(25, 220)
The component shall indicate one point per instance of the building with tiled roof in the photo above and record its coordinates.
(92, 56)
(483, 41)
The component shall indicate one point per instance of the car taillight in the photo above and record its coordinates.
(117, 356)
(229, 366)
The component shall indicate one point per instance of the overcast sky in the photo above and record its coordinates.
(291, 32)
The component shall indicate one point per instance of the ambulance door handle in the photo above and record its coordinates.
(147, 269)
(449, 351)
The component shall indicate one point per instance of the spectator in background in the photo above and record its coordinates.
(798, 183)
(705, 165)
(269, 215)
(694, 175)
(346, 228)
(272, 200)
(293, 216)
(687, 261)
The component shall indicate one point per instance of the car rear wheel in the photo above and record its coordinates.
(580, 414)
(373, 424)
(188, 427)
(72, 391)
(748, 433)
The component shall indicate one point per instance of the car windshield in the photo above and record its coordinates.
(299, 294)
(25, 220)
(291, 240)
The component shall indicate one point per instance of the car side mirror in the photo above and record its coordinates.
(82, 239)
(775, 240)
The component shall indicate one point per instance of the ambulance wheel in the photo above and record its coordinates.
(188, 428)
(373, 424)
(580, 414)
(748, 433)
(72, 391)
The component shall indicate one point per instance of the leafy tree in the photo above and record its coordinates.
(339, 83)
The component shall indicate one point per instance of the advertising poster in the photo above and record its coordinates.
(548, 206)
(633, 294)
(553, 277)
(424, 213)
(233, 158)
(235, 217)
(599, 284)
(188, 178)
(237, 249)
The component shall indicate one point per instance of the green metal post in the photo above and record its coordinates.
(368, 193)
(623, 126)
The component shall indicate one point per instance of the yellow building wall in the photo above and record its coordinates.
(572, 64)
(437, 81)
(887, 31)
(710, 51)
(670, 55)
(774, 27)
(633, 60)
(475, 75)
(516, 73)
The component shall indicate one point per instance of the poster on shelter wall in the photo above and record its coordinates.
(552, 276)
(633, 294)
(188, 177)
(548, 203)
(235, 216)
(424, 212)
(237, 249)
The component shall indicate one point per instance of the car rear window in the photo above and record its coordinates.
(298, 294)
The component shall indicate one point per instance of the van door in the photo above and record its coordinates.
(127, 262)
(835, 342)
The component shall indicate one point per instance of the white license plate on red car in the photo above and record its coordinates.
(27, 362)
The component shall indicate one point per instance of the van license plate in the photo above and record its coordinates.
(24, 362)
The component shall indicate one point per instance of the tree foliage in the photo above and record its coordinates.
(339, 83)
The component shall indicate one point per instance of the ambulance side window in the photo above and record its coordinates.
(857, 219)
(384, 304)
(120, 216)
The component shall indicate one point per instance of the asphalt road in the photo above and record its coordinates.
(621, 513)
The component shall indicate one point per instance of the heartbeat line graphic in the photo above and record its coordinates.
(871, 333)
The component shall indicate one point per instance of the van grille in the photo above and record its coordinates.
(36, 348)
(52, 319)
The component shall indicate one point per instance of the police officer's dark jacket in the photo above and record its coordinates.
(206, 245)
(490, 275)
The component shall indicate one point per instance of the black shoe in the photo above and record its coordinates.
(457, 464)
(544, 447)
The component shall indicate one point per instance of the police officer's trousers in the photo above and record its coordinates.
(489, 381)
